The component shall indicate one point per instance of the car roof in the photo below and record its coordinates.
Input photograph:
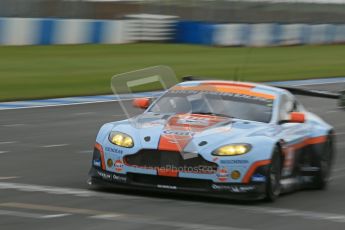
(257, 87)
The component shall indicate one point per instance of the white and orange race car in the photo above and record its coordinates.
(233, 139)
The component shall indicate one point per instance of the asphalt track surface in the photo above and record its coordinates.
(45, 156)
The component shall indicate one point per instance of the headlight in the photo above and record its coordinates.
(232, 150)
(121, 139)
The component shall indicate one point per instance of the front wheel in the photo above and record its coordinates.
(273, 186)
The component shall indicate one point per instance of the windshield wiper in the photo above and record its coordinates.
(216, 114)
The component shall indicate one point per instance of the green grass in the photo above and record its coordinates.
(58, 71)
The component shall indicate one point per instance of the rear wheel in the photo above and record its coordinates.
(324, 162)
(273, 176)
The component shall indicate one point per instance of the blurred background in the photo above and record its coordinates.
(60, 48)
(64, 52)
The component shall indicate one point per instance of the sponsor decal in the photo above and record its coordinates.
(119, 178)
(181, 128)
(223, 174)
(234, 161)
(191, 120)
(114, 177)
(178, 132)
(118, 165)
(109, 163)
(234, 188)
(166, 186)
(258, 178)
(113, 150)
(105, 176)
(97, 163)
(235, 174)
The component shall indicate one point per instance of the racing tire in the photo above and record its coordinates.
(273, 186)
(324, 162)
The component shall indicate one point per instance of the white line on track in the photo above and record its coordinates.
(31, 215)
(55, 215)
(155, 221)
(1, 152)
(8, 178)
(57, 105)
(118, 217)
(322, 216)
(20, 214)
(53, 146)
(61, 191)
(7, 142)
(333, 217)
(82, 114)
(13, 125)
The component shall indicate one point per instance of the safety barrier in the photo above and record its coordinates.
(269, 34)
(30, 31)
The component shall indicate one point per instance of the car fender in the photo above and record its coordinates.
(104, 132)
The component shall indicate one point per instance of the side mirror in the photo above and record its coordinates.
(297, 117)
(142, 103)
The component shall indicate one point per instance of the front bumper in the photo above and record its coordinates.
(252, 191)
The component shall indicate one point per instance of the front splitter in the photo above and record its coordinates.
(237, 191)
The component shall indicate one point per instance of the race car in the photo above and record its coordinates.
(226, 138)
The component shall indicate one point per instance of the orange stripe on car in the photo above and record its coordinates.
(173, 142)
(180, 128)
(252, 169)
(100, 149)
(309, 141)
(225, 89)
(233, 84)
(167, 172)
(317, 140)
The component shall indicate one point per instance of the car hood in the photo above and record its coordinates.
(191, 132)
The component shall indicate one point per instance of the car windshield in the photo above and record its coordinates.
(228, 105)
